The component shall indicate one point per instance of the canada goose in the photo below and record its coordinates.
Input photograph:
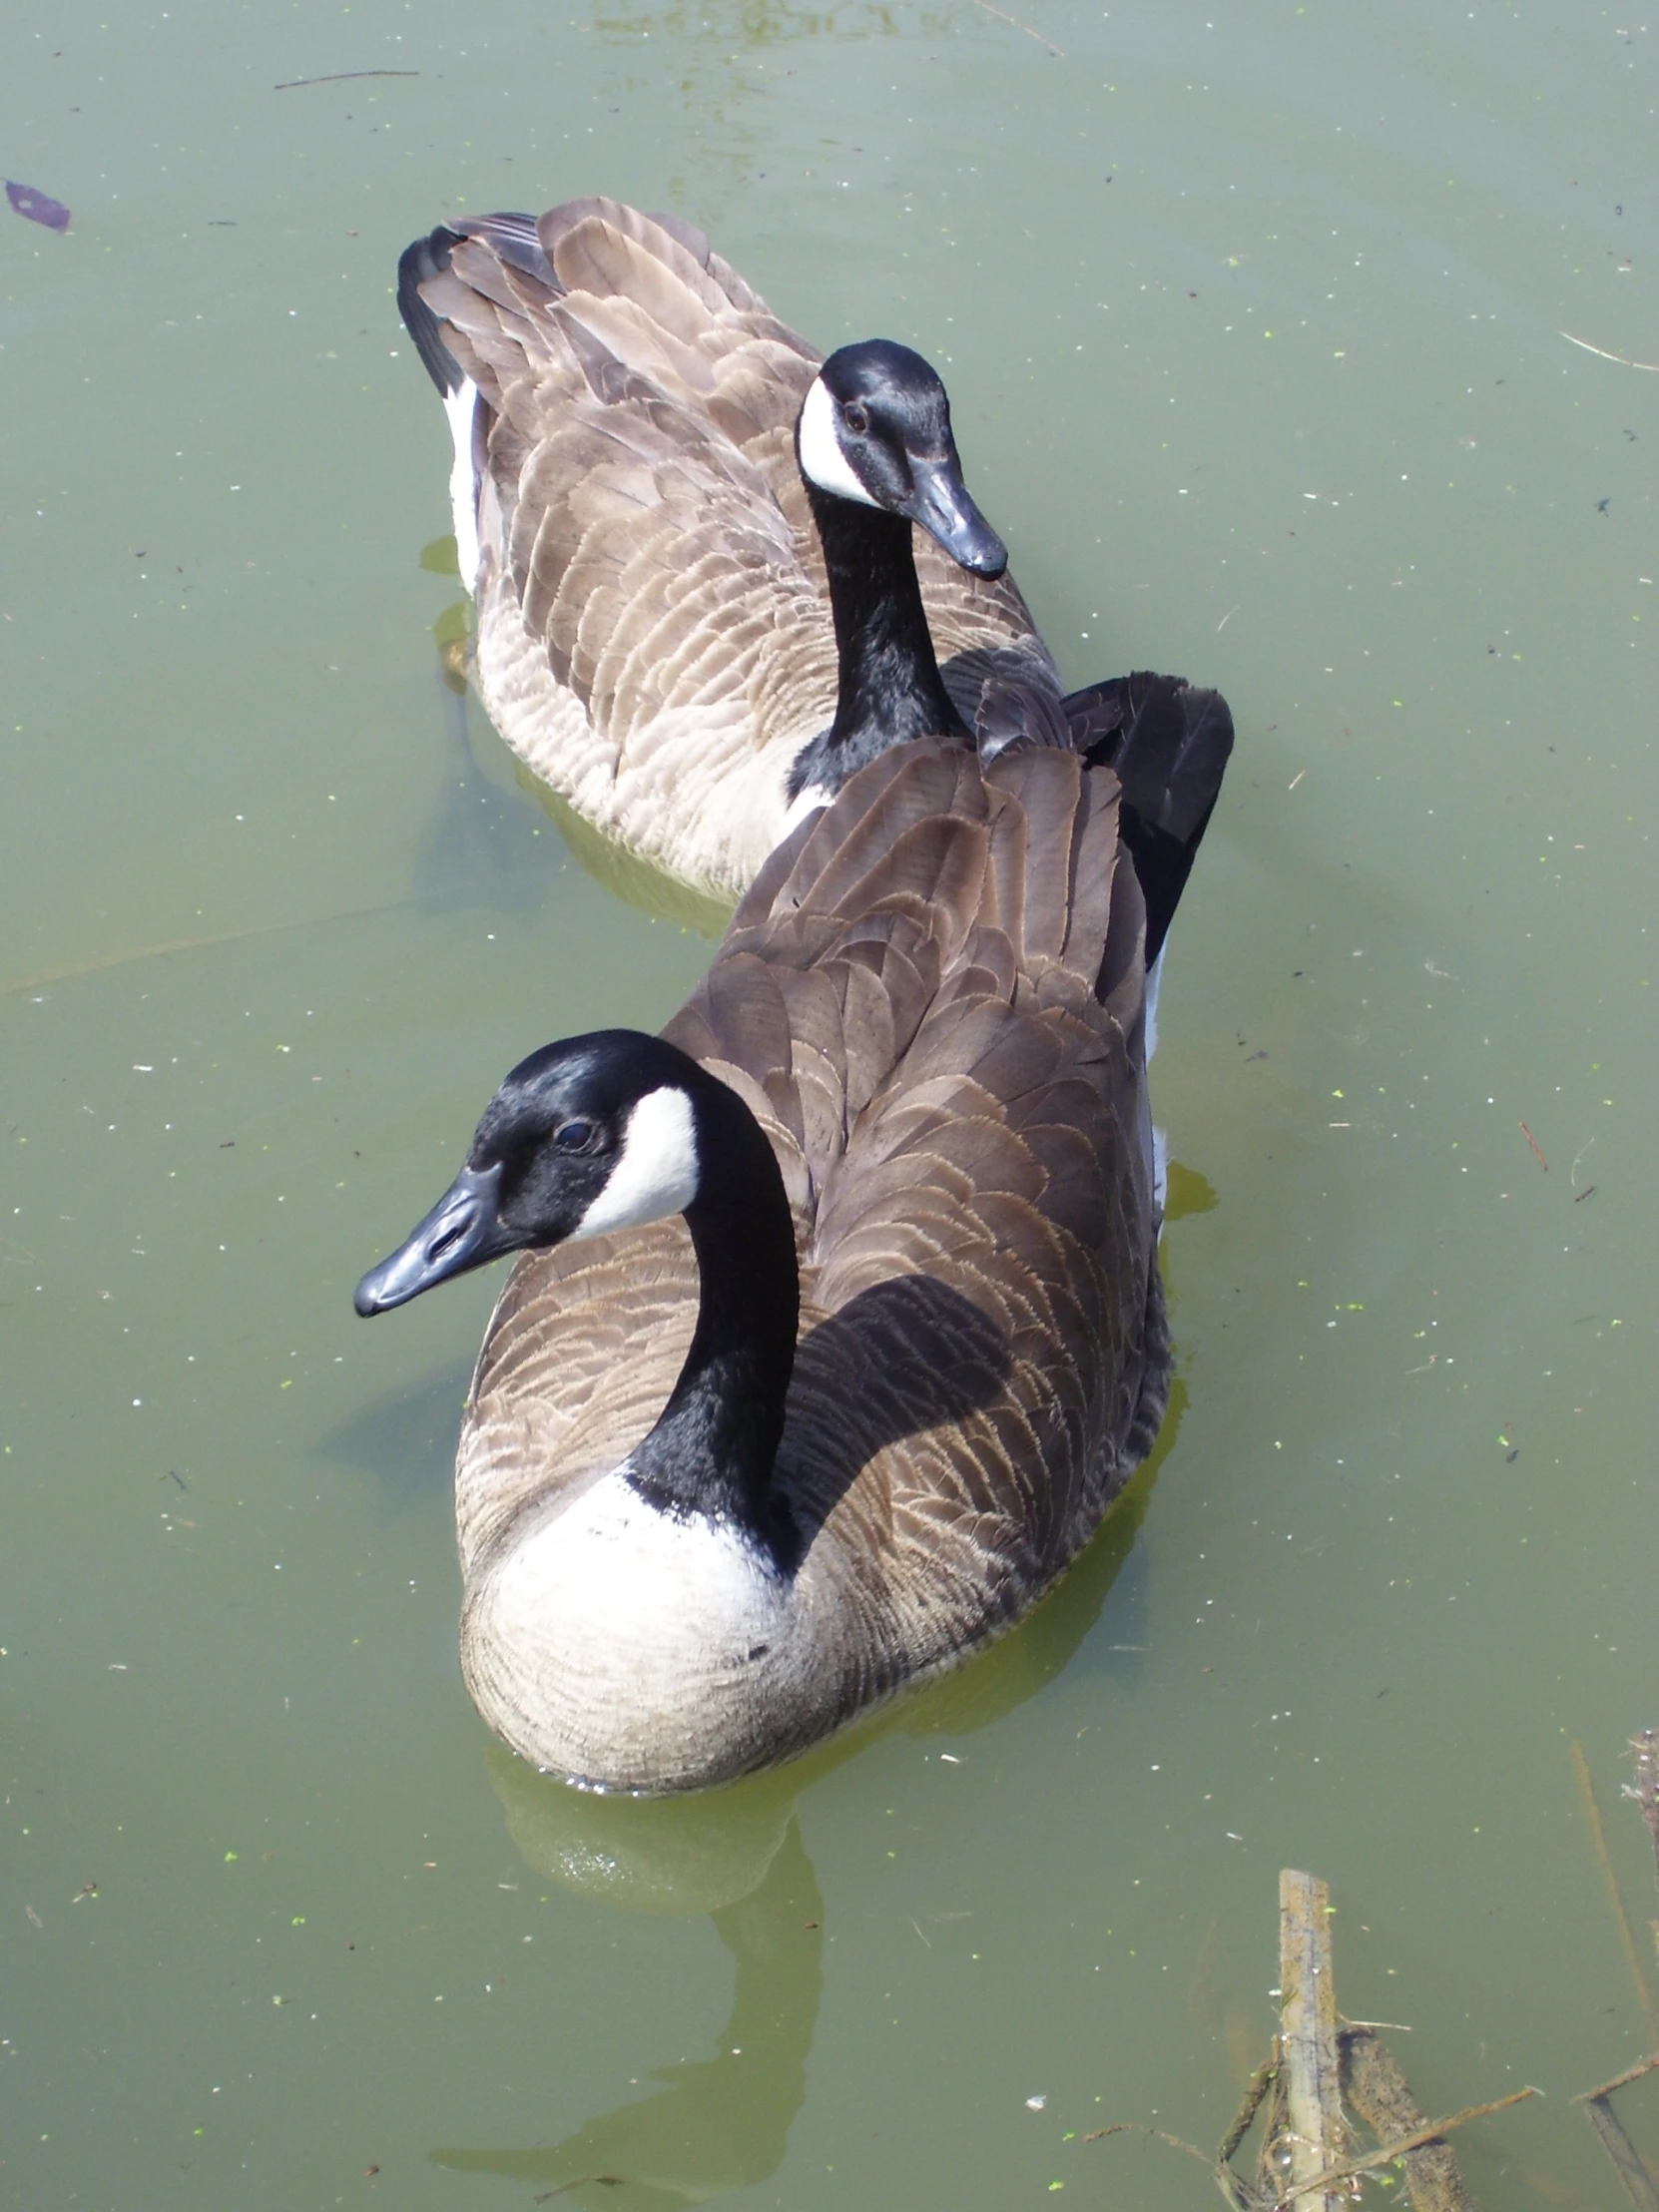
(727, 1480)
(667, 614)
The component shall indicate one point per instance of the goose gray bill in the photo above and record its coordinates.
(838, 1321)
(700, 601)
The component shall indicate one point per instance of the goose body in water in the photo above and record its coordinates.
(839, 1323)
(690, 540)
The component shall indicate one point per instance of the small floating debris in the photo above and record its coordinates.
(38, 207)
(341, 77)
(1645, 1788)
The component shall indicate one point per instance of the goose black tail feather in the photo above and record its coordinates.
(427, 257)
(514, 239)
(1169, 743)
(515, 242)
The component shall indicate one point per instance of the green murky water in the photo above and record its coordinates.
(1252, 321)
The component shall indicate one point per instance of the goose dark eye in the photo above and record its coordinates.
(574, 1135)
(855, 417)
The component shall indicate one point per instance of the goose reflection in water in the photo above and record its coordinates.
(717, 2123)
(487, 837)
(722, 2123)
(483, 846)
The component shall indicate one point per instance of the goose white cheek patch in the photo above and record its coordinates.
(656, 1170)
(821, 458)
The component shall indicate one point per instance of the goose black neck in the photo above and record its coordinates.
(890, 689)
(713, 1447)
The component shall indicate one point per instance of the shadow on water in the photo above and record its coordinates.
(1187, 1193)
(625, 874)
(406, 1439)
(481, 846)
(717, 2123)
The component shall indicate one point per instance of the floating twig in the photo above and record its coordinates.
(1261, 2081)
(1428, 2133)
(1375, 2088)
(1598, 2110)
(74, 971)
(1611, 1882)
(1014, 23)
(340, 77)
(1603, 353)
(1622, 2151)
(1316, 2134)
(1244, 2200)
(1623, 2080)
(1225, 2180)
(1317, 2063)
(1533, 1142)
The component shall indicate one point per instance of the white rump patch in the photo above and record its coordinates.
(656, 1170)
(461, 407)
(1154, 976)
(811, 800)
(821, 458)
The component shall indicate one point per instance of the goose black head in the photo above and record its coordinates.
(594, 1134)
(874, 428)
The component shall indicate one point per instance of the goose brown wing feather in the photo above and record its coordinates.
(1006, 1155)
(609, 249)
(1067, 1094)
(652, 602)
(827, 865)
